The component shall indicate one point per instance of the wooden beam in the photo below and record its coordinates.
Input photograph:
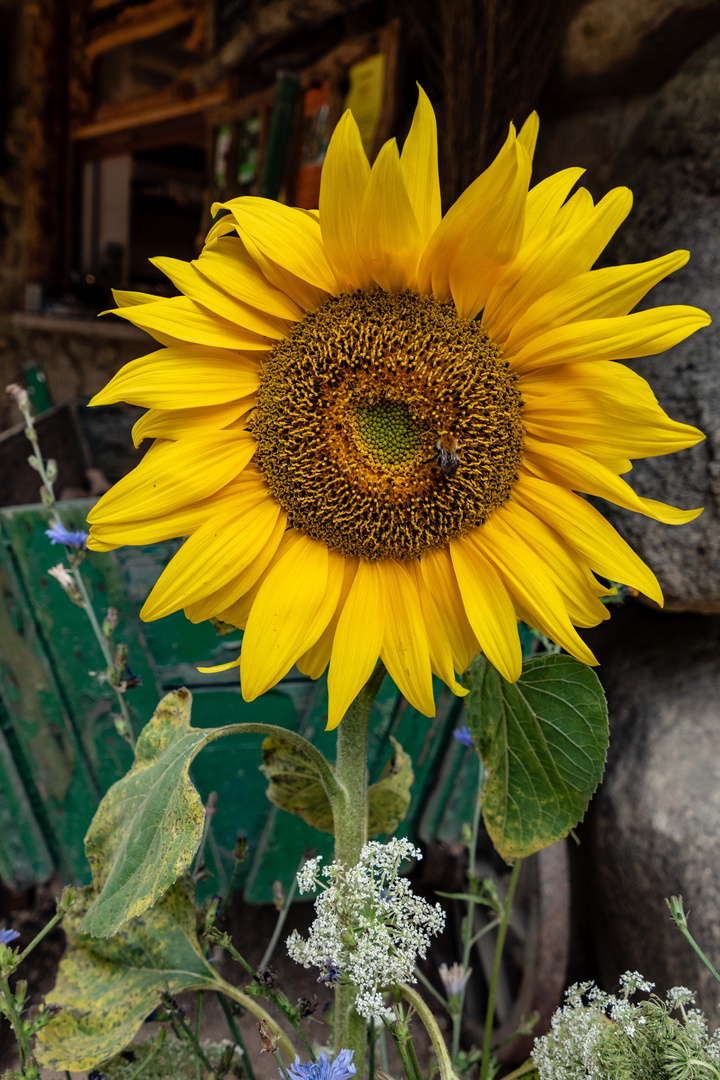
(139, 23)
(270, 23)
(151, 110)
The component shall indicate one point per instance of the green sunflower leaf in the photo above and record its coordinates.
(107, 987)
(389, 797)
(148, 827)
(294, 783)
(544, 741)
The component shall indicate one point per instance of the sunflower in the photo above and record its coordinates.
(373, 422)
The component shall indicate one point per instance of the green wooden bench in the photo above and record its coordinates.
(59, 750)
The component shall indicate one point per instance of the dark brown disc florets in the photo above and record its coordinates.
(353, 406)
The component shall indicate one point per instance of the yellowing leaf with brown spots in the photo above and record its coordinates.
(149, 825)
(389, 797)
(107, 987)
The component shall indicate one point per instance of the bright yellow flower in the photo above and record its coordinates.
(371, 420)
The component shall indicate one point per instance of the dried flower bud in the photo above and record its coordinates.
(51, 470)
(65, 579)
(269, 1041)
(110, 623)
(278, 895)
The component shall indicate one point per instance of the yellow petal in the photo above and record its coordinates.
(344, 178)
(642, 334)
(571, 467)
(125, 298)
(438, 256)
(358, 641)
(287, 236)
(528, 134)
(406, 650)
(579, 586)
(228, 264)
(492, 241)
(189, 322)
(543, 203)
(419, 161)
(597, 294)
(316, 659)
(216, 603)
(573, 250)
(292, 608)
(222, 227)
(187, 278)
(532, 588)
(586, 530)
(487, 605)
(179, 423)
(213, 555)
(605, 426)
(388, 237)
(182, 521)
(437, 570)
(180, 377)
(306, 296)
(175, 474)
(441, 657)
(604, 377)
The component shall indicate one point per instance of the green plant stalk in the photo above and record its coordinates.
(190, 1037)
(38, 937)
(282, 916)
(499, 946)
(526, 1069)
(444, 1061)
(235, 1032)
(198, 1021)
(158, 1043)
(413, 1059)
(31, 434)
(15, 1022)
(469, 922)
(259, 1013)
(431, 989)
(682, 927)
(350, 815)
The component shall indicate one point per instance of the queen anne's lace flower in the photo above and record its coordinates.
(599, 1036)
(370, 927)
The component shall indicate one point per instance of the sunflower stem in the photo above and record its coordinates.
(350, 808)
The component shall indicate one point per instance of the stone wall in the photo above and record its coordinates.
(636, 100)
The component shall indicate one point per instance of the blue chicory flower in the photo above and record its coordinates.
(60, 535)
(6, 936)
(462, 734)
(341, 1068)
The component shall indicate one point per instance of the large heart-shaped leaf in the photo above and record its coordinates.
(149, 825)
(543, 740)
(107, 988)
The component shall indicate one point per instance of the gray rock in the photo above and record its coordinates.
(632, 45)
(673, 167)
(653, 830)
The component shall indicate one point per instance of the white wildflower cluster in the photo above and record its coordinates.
(599, 1036)
(369, 927)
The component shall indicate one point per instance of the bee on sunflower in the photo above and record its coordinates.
(374, 423)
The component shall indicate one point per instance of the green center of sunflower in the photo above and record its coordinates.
(386, 425)
(387, 432)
